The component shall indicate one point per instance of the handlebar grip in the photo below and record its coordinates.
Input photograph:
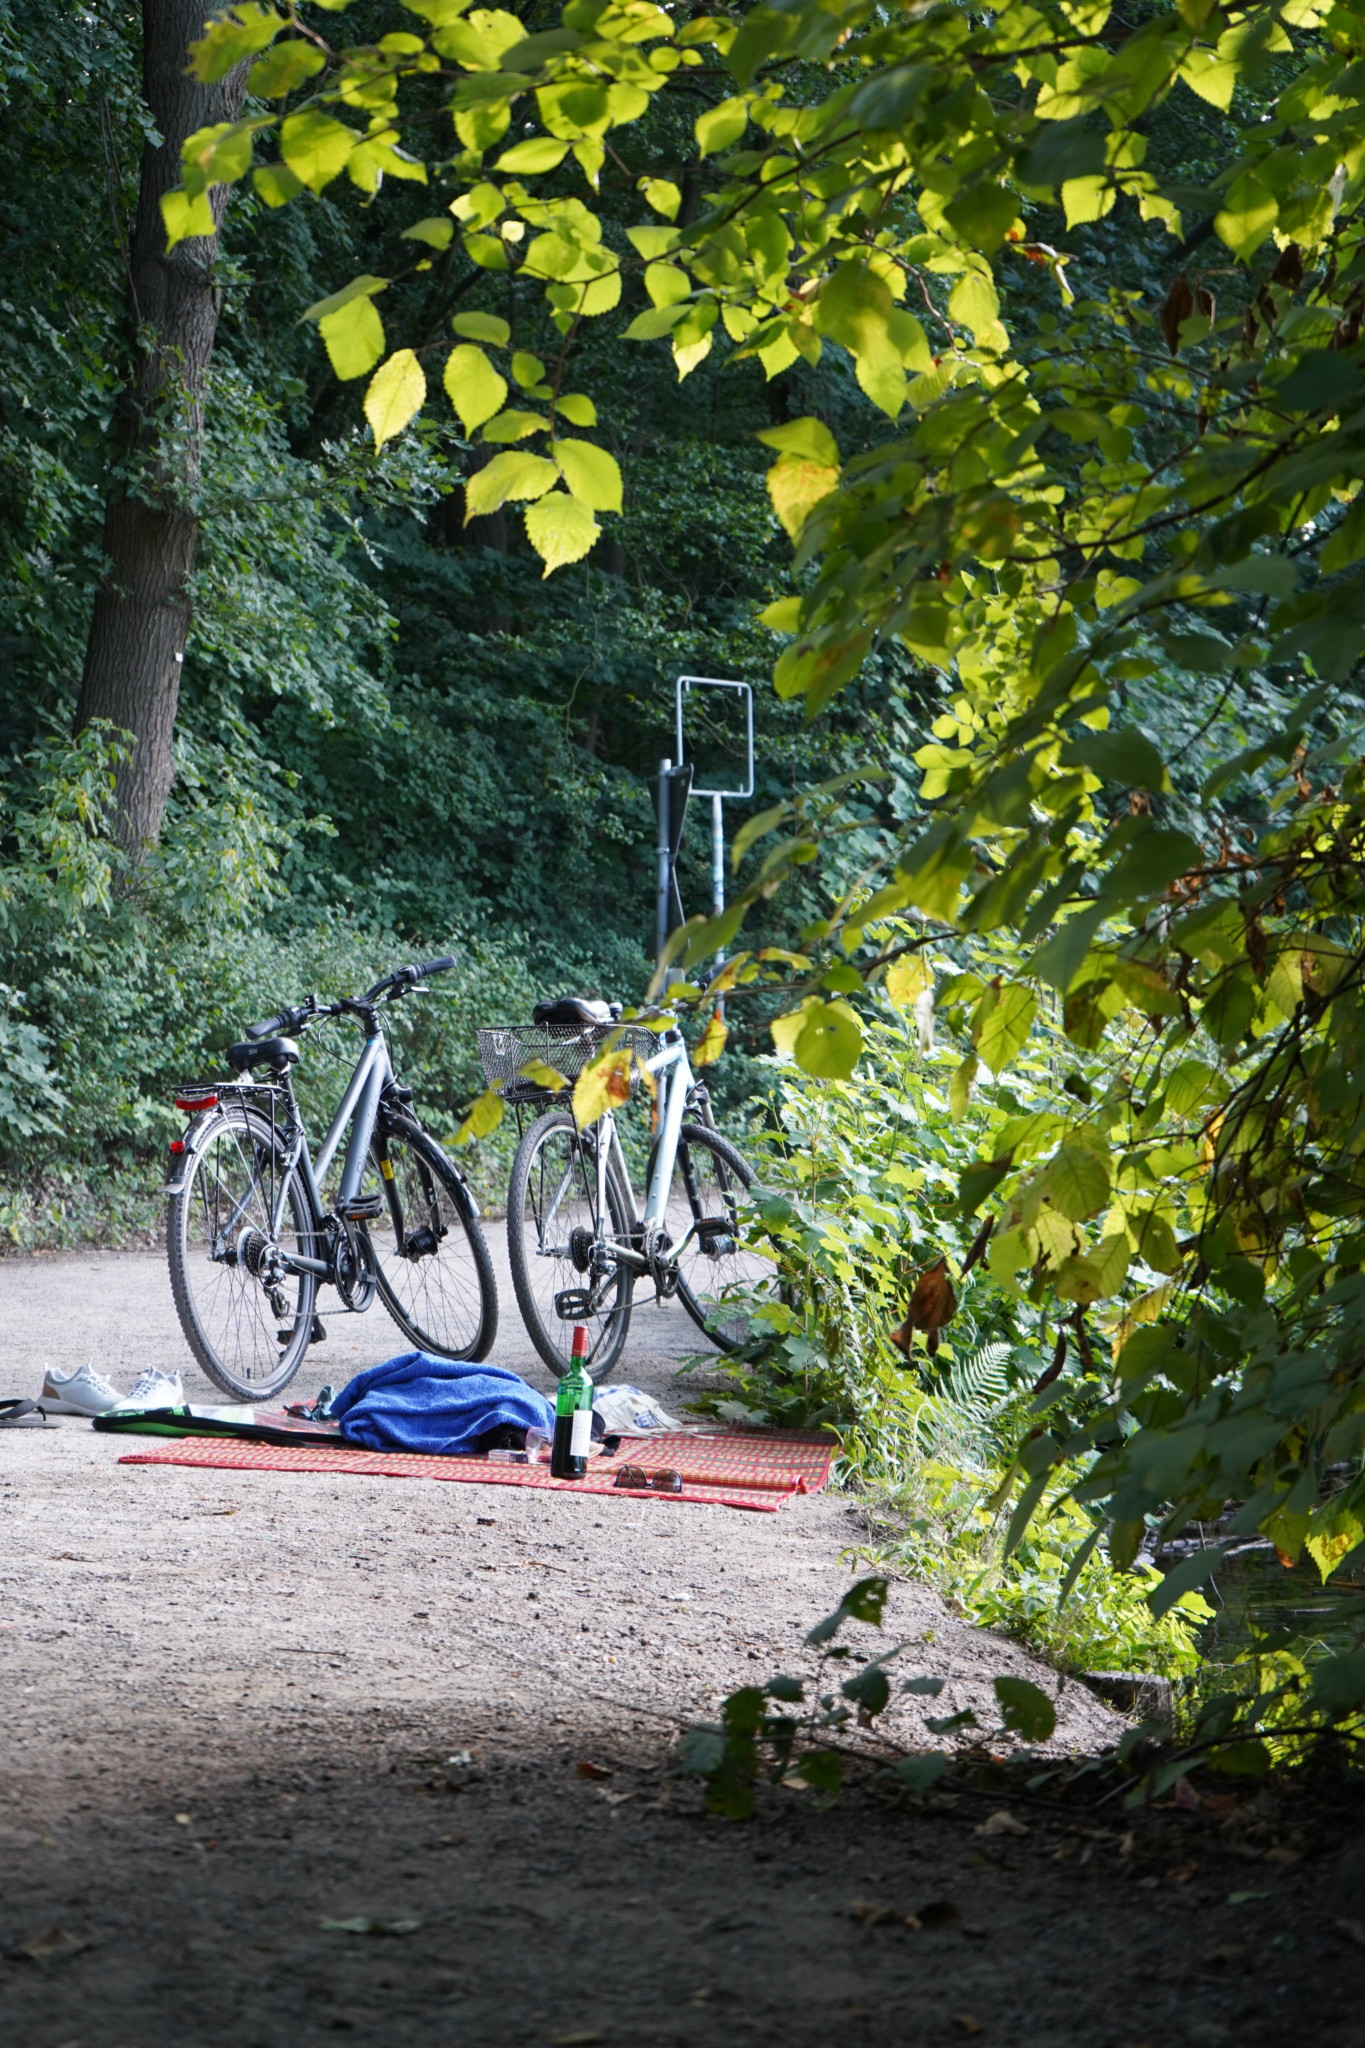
(281, 1022)
(441, 966)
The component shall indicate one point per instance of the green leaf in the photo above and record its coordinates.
(1248, 214)
(822, 1770)
(855, 308)
(185, 219)
(1076, 1181)
(527, 369)
(830, 1041)
(869, 1689)
(863, 1602)
(1004, 1024)
(354, 336)
(1339, 1682)
(577, 408)
(561, 529)
(437, 231)
(396, 393)
(1189, 1573)
(920, 1774)
(514, 425)
(1322, 379)
(949, 1724)
(809, 438)
(663, 195)
(315, 147)
(1123, 756)
(719, 127)
(593, 476)
(531, 158)
(487, 327)
(275, 184)
(287, 65)
(1025, 1708)
(473, 386)
(232, 37)
(517, 474)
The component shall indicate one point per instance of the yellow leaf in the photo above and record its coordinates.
(354, 336)
(184, 218)
(906, 978)
(712, 1042)
(1332, 1543)
(484, 1115)
(796, 485)
(472, 385)
(560, 529)
(396, 392)
(603, 1085)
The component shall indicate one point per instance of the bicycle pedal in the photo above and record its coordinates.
(319, 1335)
(361, 1209)
(573, 1304)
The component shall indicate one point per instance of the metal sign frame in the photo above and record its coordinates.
(684, 685)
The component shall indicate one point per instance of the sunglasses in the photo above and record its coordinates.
(636, 1478)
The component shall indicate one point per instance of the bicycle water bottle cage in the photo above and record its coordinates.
(275, 1053)
(571, 1011)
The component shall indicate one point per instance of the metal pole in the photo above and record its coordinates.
(664, 864)
(718, 862)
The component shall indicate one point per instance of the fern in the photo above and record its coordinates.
(960, 1422)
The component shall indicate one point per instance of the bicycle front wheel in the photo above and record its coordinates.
(432, 1262)
(554, 1232)
(719, 1276)
(246, 1320)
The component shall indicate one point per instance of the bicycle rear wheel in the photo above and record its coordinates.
(718, 1275)
(247, 1325)
(553, 1225)
(432, 1262)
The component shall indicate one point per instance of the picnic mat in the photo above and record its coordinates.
(739, 1469)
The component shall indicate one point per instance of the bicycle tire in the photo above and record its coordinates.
(702, 1305)
(229, 1322)
(536, 1276)
(443, 1307)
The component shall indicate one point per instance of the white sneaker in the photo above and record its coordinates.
(154, 1389)
(82, 1392)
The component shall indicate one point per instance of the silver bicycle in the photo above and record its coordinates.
(578, 1241)
(251, 1239)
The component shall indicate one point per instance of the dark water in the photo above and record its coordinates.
(1253, 1592)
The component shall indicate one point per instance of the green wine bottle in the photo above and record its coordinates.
(573, 1414)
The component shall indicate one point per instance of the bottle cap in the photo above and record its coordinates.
(580, 1341)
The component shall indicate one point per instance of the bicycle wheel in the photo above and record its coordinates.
(247, 1323)
(552, 1225)
(432, 1262)
(718, 1275)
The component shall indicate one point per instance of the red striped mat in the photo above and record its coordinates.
(740, 1469)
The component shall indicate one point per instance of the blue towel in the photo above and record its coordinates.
(440, 1405)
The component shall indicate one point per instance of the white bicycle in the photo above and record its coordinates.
(577, 1239)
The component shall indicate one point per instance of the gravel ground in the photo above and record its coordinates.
(238, 1705)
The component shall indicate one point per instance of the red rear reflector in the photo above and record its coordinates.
(196, 1102)
(177, 1144)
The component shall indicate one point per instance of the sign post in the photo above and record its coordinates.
(715, 738)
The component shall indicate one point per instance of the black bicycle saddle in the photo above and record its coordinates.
(275, 1053)
(575, 1010)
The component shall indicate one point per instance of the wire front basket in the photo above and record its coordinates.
(507, 1049)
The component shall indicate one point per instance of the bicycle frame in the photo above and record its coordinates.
(359, 1106)
(677, 1087)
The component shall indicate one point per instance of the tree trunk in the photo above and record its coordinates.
(142, 611)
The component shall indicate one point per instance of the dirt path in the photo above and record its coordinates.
(239, 1704)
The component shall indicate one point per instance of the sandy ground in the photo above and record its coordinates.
(238, 1705)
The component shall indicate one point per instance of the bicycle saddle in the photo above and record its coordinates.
(275, 1053)
(572, 1010)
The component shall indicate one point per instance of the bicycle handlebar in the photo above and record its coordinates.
(298, 1014)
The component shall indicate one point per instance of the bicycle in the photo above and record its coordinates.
(577, 1238)
(250, 1241)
